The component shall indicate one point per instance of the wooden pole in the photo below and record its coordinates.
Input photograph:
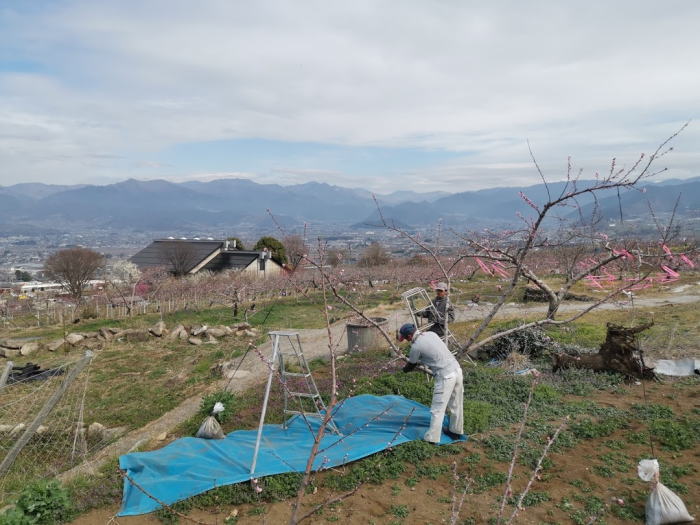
(43, 413)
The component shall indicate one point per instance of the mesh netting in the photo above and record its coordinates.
(60, 439)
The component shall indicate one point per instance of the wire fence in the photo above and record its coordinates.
(43, 432)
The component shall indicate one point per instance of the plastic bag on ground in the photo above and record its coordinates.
(663, 505)
(210, 429)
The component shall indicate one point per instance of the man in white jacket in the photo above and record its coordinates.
(448, 394)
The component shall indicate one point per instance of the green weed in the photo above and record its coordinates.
(484, 482)
(400, 511)
(675, 435)
(651, 412)
(589, 429)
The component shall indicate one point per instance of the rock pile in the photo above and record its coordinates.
(94, 432)
(195, 335)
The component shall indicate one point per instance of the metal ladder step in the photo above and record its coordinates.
(304, 394)
(306, 414)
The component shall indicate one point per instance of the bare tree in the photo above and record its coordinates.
(335, 257)
(374, 255)
(180, 255)
(73, 268)
(516, 255)
(296, 248)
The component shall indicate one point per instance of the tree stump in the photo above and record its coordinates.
(619, 353)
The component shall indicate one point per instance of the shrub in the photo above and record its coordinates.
(15, 517)
(533, 342)
(222, 396)
(45, 502)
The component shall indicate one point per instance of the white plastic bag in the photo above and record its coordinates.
(210, 428)
(663, 505)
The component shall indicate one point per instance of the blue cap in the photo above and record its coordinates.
(406, 330)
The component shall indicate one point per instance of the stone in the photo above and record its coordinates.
(195, 341)
(113, 330)
(90, 335)
(11, 344)
(232, 386)
(41, 429)
(6, 428)
(249, 333)
(199, 330)
(55, 345)
(74, 339)
(162, 436)
(29, 348)
(106, 334)
(17, 429)
(175, 332)
(217, 332)
(96, 431)
(9, 353)
(184, 335)
(211, 340)
(92, 344)
(241, 326)
(133, 335)
(227, 370)
(158, 329)
(113, 433)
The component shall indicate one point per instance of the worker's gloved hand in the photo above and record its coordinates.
(409, 366)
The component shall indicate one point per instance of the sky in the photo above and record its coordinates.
(381, 95)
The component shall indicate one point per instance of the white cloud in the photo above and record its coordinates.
(128, 79)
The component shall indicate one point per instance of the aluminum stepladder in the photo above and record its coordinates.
(419, 304)
(287, 355)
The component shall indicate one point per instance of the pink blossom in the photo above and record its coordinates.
(483, 266)
(670, 272)
(687, 261)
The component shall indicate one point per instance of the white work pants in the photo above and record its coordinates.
(448, 394)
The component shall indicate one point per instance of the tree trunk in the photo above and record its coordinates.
(619, 353)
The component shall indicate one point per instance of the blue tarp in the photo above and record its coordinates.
(189, 466)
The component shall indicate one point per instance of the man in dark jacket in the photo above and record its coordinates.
(442, 309)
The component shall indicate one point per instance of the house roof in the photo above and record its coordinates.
(231, 259)
(193, 254)
(175, 252)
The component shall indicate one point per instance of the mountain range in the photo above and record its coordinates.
(159, 205)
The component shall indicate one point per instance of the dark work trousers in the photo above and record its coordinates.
(439, 329)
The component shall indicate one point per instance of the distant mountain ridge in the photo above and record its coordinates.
(160, 205)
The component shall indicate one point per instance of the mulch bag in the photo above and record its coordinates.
(663, 505)
(210, 427)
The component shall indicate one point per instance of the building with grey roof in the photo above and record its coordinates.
(189, 256)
